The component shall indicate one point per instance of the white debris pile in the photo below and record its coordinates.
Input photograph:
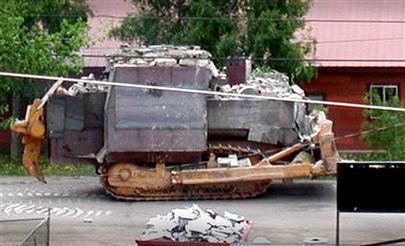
(271, 83)
(232, 161)
(195, 224)
(81, 87)
(163, 55)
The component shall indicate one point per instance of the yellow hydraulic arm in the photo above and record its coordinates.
(32, 130)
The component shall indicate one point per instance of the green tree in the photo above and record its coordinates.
(226, 28)
(386, 129)
(38, 37)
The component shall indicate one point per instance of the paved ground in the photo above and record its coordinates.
(286, 214)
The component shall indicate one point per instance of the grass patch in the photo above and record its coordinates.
(326, 177)
(367, 156)
(15, 168)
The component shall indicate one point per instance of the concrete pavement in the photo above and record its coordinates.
(286, 214)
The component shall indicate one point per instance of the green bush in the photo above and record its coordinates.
(386, 130)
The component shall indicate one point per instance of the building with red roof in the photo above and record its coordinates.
(360, 49)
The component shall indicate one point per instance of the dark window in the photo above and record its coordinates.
(382, 94)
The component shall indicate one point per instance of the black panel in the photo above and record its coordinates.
(371, 187)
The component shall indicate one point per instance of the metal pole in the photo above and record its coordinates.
(337, 227)
(49, 226)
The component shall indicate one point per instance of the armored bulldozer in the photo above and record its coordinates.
(150, 140)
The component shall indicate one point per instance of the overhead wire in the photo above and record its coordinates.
(154, 87)
(357, 134)
(204, 18)
(357, 40)
(251, 58)
(309, 40)
(366, 132)
(262, 59)
(202, 92)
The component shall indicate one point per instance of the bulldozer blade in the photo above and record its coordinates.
(32, 150)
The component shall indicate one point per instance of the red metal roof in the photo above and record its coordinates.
(369, 31)
(106, 15)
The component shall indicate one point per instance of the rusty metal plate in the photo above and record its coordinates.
(149, 120)
(266, 121)
(75, 144)
(75, 126)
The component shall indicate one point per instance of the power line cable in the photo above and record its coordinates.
(203, 18)
(309, 40)
(357, 40)
(202, 92)
(251, 58)
(366, 132)
(228, 95)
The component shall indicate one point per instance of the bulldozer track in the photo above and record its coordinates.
(236, 190)
(212, 192)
